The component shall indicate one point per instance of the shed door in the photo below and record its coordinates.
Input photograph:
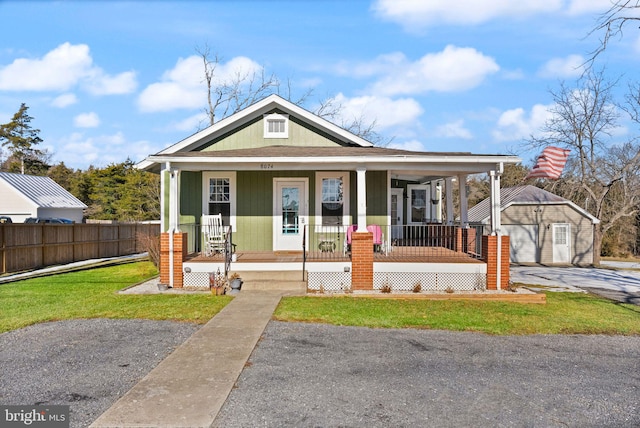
(523, 242)
(561, 243)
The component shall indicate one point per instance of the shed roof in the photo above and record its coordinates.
(42, 191)
(527, 195)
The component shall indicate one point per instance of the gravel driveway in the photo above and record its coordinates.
(87, 364)
(312, 375)
(303, 375)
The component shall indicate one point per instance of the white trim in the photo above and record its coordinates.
(275, 117)
(231, 175)
(346, 211)
(263, 106)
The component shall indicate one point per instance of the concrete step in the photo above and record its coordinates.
(269, 276)
(297, 286)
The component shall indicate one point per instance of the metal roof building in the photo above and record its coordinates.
(23, 196)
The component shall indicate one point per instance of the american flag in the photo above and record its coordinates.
(550, 163)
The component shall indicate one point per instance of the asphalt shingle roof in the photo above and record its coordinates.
(520, 194)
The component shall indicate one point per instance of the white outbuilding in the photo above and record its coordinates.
(24, 196)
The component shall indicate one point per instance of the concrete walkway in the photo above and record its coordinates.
(190, 386)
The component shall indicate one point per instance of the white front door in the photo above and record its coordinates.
(290, 213)
(561, 243)
(397, 213)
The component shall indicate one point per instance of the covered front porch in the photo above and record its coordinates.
(436, 259)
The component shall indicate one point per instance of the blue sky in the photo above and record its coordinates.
(107, 80)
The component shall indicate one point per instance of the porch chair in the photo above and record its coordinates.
(347, 238)
(213, 234)
(378, 238)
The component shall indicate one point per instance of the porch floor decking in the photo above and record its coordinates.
(398, 255)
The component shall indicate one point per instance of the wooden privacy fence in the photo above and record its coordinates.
(32, 246)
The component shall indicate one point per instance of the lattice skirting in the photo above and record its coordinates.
(329, 281)
(196, 279)
(402, 281)
(430, 281)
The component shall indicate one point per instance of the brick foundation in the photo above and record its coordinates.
(362, 261)
(490, 257)
(179, 256)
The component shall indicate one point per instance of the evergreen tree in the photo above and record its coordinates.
(21, 140)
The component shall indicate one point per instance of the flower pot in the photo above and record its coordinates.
(163, 287)
(236, 283)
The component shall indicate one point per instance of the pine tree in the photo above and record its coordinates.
(21, 140)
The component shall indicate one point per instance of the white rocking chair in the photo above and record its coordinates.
(213, 234)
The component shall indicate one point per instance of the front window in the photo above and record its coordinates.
(332, 201)
(219, 196)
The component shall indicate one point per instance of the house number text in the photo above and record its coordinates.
(266, 165)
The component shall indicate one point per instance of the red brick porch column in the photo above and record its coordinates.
(459, 248)
(490, 257)
(362, 261)
(179, 256)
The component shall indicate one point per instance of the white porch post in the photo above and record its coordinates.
(362, 199)
(174, 209)
(462, 187)
(449, 198)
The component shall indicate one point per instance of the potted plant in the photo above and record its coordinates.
(235, 281)
(217, 283)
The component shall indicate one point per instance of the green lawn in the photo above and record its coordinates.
(564, 313)
(92, 294)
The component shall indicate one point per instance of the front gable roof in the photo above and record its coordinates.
(522, 195)
(41, 191)
(251, 113)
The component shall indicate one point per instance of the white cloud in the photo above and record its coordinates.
(86, 120)
(570, 66)
(383, 64)
(515, 124)
(61, 69)
(384, 111)
(190, 124)
(412, 145)
(579, 7)
(184, 85)
(101, 84)
(454, 129)
(81, 151)
(453, 69)
(418, 14)
(64, 100)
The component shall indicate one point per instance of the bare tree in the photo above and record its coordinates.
(601, 177)
(244, 87)
(333, 111)
(228, 96)
(612, 23)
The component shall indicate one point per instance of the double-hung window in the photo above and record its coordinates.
(332, 200)
(219, 195)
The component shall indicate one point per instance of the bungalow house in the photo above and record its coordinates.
(298, 193)
(25, 196)
(542, 227)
